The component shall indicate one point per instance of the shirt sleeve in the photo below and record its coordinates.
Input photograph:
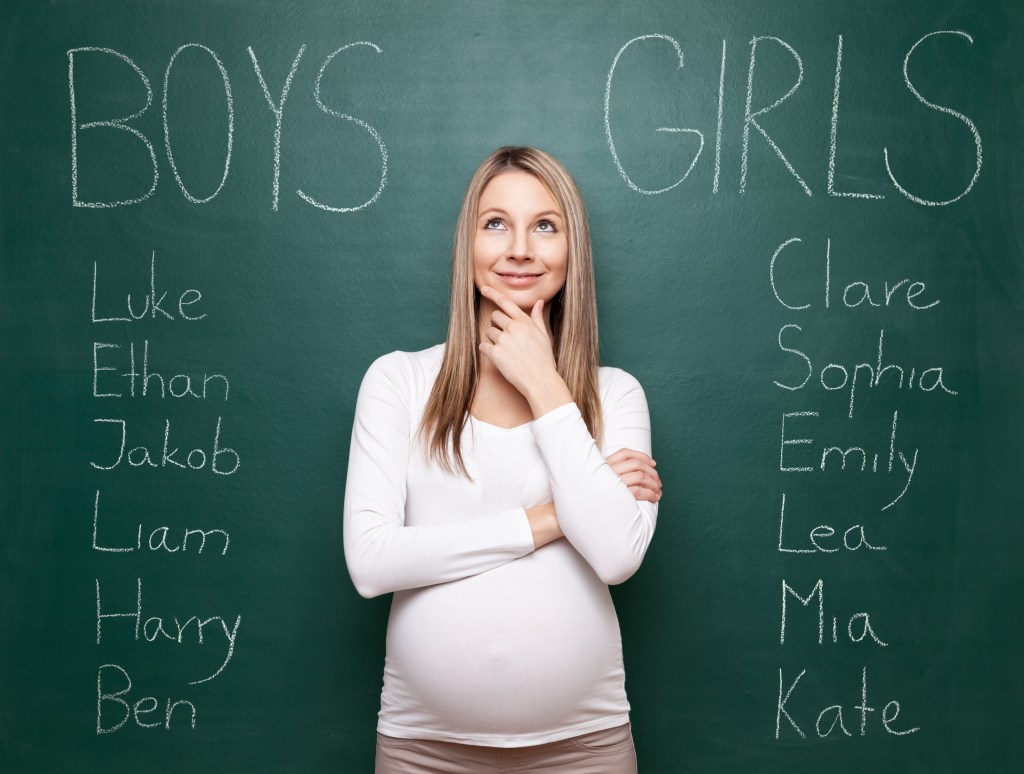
(382, 553)
(598, 514)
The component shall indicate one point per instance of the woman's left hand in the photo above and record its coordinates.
(518, 344)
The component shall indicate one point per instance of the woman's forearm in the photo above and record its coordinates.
(544, 524)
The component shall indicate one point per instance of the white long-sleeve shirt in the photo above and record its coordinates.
(491, 642)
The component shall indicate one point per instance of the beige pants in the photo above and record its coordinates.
(601, 752)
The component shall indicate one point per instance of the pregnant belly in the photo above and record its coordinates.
(529, 647)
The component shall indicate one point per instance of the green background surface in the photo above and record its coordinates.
(298, 301)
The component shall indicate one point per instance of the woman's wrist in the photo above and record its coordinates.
(548, 395)
(543, 524)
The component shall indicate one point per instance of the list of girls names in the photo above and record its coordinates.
(881, 467)
(130, 367)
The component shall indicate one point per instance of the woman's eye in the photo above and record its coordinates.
(546, 226)
(493, 224)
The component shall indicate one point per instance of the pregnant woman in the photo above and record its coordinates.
(498, 482)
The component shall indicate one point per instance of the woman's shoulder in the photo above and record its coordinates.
(403, 359)
(406, 370)
(613, 381)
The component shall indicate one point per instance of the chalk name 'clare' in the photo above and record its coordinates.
(222, 461)
(194, 629)
(140, 381)
(159, 538)
(856, 294)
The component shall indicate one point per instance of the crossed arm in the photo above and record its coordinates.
(605, 507)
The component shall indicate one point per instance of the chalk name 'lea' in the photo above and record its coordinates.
(824, 540)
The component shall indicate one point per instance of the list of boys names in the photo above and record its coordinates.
(130, 370)
(884, 463)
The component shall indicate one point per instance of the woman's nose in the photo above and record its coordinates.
(521, 248)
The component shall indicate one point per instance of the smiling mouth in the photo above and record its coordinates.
(518, 279)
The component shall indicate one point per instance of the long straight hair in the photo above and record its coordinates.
(573, 310)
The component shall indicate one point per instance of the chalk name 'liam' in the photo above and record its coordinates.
(177, 386)
(195, 460)
(834, 712)
(159, 537)
(151, 305)
(156, 627)
(831, 453)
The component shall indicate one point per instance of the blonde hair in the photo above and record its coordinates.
(573, 310)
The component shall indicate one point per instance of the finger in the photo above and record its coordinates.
(493, 334)
(506, 304)
(538, 313)
(632, 464)
(499, 319)
(646, 495)
(626, 453)
(640, 477)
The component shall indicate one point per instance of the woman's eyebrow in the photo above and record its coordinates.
(498, 210)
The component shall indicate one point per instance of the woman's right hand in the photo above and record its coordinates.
(636, 470)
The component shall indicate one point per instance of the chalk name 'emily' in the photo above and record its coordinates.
(839, 456)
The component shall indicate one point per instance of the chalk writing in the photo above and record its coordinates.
(752, 118)
(835, 712)
(113, 379)
(144, 706)
(80, 56)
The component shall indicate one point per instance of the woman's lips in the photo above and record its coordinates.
(519, 279)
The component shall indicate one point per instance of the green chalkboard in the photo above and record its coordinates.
(808, 245)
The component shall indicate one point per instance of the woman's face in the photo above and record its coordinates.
(520, 246)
